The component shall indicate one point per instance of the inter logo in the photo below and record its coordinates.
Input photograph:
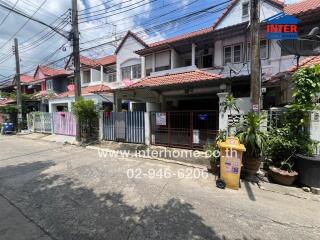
(281, 27)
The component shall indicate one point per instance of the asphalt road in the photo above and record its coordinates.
(52, 191)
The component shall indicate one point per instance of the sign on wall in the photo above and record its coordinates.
(161, 119)
(282, 27)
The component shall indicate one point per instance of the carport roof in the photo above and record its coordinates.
(176, 79)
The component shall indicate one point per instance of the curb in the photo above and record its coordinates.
(153, 158)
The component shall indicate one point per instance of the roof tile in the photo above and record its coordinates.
(307, 62)
(302, 7)
(175, 79)
(86, 90)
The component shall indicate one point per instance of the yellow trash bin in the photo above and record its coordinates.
(231, 161)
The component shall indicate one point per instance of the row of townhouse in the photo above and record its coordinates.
(188, 74)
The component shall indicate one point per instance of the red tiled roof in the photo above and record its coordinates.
(302, 7)
(87, 61)
(225, 13)
(107, 60)
(307, 62)
(86, 90)
(26, 79)
(175, 79)
(50, 72)
(182, 37)
(202, 31)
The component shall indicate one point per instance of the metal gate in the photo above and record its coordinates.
(188, 129)
(64, 123)
(40, 122)
(124, 126)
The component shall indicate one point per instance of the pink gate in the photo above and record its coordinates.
(64, 123)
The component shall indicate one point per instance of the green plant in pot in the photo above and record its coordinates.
(281, 147)
(212, 150)
(254, 140)
(87, 115)
(229, 104)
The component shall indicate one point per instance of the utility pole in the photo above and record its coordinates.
(18, 84)
(255, 85)
(76, 61)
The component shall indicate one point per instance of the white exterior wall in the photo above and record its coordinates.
(235, 15)
(127, 52)
(69, 100)
(274, 64)
(242, 103)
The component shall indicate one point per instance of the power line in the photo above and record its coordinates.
(95, 19)
(29, 18)
(8, 14)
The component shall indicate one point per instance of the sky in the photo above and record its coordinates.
(101, 21)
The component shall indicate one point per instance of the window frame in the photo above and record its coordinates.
(232, 46)
(131, 72)
(47, 85)
(248, 57)
(83, 74)
(247, 4)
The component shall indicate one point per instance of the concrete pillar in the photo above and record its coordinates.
(147, 131)
(172, 59)
(117, 103)
(70, 105)
(101, 74)
(101, 125)
(162, 103)
(223, 117)
(153, 62)
(143, 67)
(193, 55)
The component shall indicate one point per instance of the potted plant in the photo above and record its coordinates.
(229, 104)
(306, 87)
(212, 150)
(281, 147)
(254, 140)
(87, 115)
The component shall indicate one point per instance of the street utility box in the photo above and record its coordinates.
(231, 152)
(7, 128)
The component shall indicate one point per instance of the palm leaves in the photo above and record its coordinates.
(251, 136)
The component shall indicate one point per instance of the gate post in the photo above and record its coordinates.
(147, 128)
(101, 127)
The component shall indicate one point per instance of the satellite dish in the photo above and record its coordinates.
(236, 68)
(301, 47)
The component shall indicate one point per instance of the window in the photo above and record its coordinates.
(126, 73)
(49, 85)
(131, 72)
(245, 9)
(136, 71)
(232, 54)
(112, 77)
(207, 61)
(264, 50)
(86, 76)
(237, 54)
(227, 55)
(163, 61)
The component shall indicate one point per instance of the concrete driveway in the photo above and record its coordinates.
(52, 191)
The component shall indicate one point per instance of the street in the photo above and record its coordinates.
(55, 191)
